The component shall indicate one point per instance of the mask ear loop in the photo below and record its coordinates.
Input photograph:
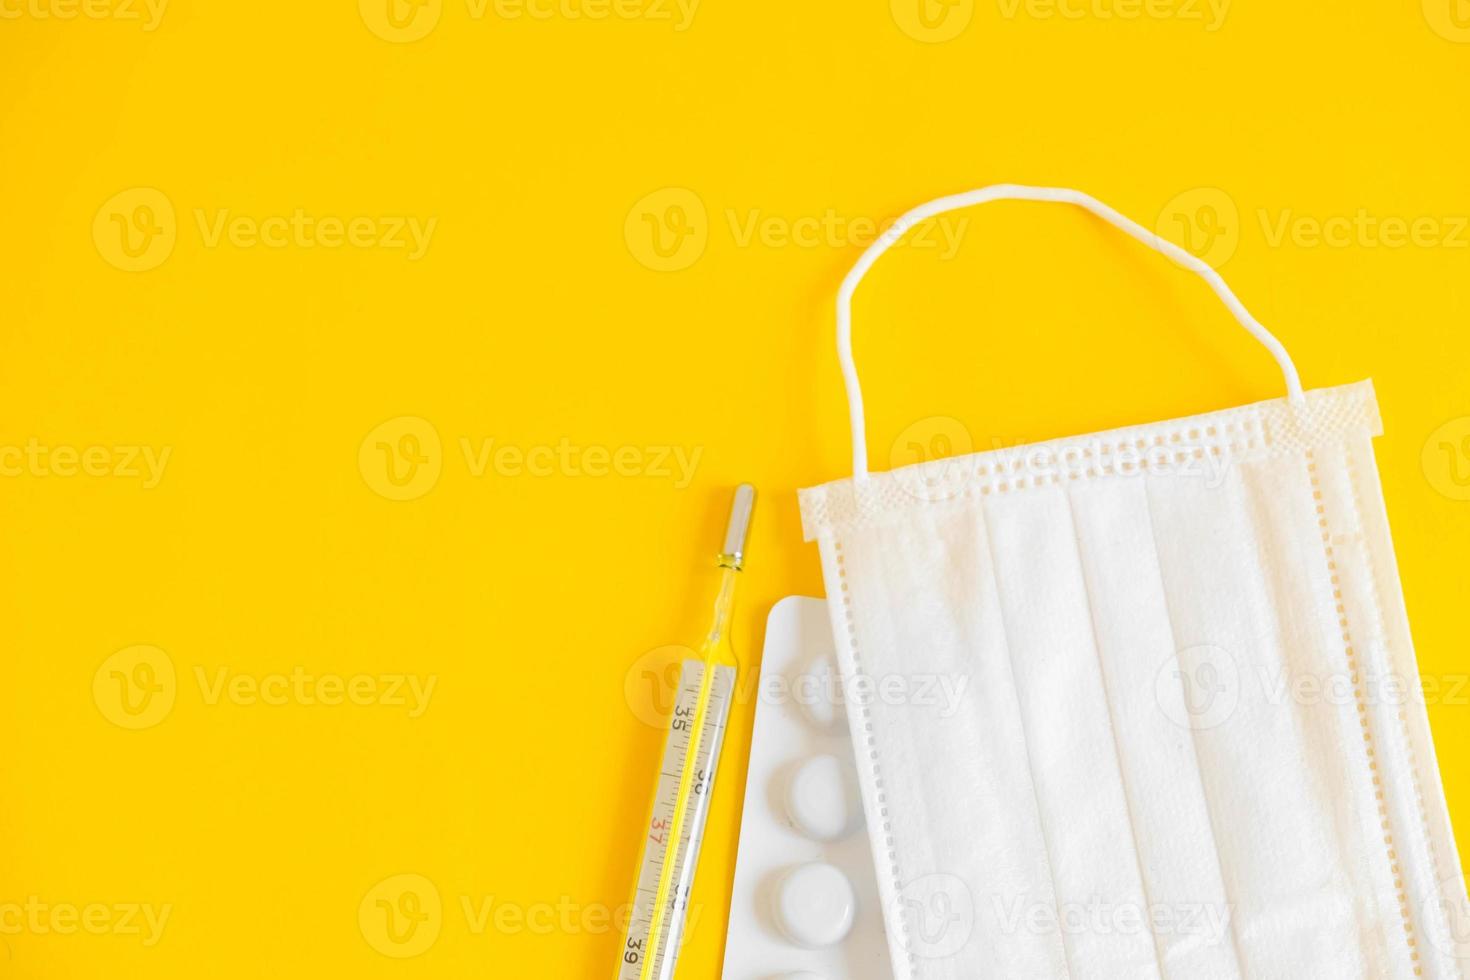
(1019, 192)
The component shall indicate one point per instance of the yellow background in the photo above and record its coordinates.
(548, 149)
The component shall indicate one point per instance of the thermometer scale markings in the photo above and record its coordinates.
(684, 853)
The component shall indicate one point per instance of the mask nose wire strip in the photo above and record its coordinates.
(1019, 192)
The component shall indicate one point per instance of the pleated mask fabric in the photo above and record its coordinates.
(1180, 739)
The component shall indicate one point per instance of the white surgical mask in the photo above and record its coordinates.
(1181, 752)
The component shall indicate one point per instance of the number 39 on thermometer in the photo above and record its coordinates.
(686, 777)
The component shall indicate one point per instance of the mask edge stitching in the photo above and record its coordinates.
(881, 792)
(1354, 664)
(1415, 774)
(1244, 433)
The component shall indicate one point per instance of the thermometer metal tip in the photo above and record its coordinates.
(739, 527)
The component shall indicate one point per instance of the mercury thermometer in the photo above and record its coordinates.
(686, 777)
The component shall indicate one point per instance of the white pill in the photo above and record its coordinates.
(803, 975)
(819, 692)
(822, 799)
(815, 906)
